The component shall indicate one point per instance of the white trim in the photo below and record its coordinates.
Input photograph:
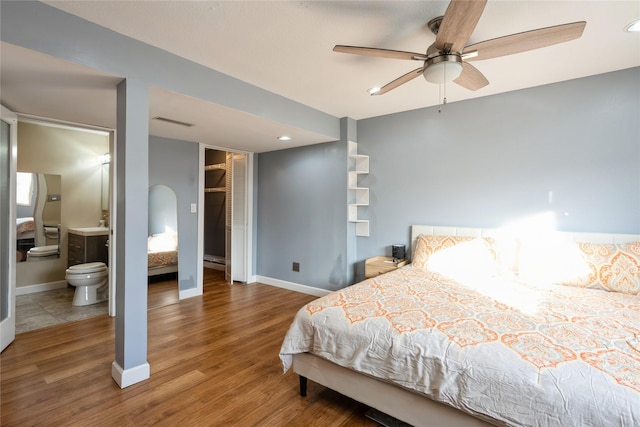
(200, 220)
(304, 289)
(8, 324)
(126, 377)
(63, 124)
(40, 287)
(213, 266)
(188, 293)
(113, 197)
(248, 262)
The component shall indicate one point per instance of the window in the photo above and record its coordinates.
(24, 189)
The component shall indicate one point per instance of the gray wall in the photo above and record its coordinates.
(175, 164)
(302, 215)
(492, 160)
(479, 163)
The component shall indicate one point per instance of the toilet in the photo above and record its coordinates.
(40, 253)
(90, 281)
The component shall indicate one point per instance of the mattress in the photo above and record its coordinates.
(519, 354)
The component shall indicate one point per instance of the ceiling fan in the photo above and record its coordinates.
(448, 58)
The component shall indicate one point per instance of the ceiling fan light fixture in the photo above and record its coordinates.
(442, 69)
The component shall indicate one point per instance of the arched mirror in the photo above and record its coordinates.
(162, 243)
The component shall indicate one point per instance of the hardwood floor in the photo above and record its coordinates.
(214, 361)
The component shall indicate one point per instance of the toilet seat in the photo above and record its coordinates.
(37, 251)
(88, 268)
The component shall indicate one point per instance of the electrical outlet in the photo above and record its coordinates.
(296, 266)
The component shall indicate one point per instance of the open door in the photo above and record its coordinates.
(8, 151)
(236, 221)
(239, 218)
(229, 217)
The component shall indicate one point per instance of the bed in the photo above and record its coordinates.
(162, 254)
(25, 237)
(497, 336)
(25, 228)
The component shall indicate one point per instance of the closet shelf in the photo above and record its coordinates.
(215, 190)
(215, 167)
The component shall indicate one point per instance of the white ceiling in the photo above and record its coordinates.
(286, 47)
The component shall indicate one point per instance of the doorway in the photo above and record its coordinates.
(226, 209)
(8, 131)
(62, 167)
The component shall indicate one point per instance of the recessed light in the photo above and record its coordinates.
(634, 27)
(284, 138)
(374, 90)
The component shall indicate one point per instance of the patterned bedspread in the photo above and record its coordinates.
(522, 355)
(24, 226)
(161, 259)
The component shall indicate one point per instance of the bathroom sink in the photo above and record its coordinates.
(90, 231)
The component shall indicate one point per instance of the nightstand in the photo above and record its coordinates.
(381, 264)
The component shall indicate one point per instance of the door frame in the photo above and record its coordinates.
(249, 215)
(111, 134)
(8, 325)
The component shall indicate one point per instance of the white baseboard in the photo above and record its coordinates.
(188, 293)
(309, 290)
(213, 266)
(41, 287)
(125, 378)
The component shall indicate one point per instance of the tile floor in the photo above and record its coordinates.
(42, 309)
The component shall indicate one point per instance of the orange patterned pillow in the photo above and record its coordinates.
(614, 268)
(455, 253)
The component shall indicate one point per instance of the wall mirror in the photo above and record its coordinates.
(104, 200)
(38, 216)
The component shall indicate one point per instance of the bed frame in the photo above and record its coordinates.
(165, 269)
(406, 405)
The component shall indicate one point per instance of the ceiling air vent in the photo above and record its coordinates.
(175, 122)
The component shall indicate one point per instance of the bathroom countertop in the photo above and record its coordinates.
(89, 231)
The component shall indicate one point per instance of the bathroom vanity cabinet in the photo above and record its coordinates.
(87, 247)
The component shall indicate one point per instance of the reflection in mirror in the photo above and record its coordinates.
(105, 183)
(38, 217)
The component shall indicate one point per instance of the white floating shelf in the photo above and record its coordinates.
(358, 196)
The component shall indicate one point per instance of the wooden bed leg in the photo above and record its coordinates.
(303, 386)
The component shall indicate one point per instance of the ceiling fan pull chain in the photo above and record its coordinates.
(442, 92)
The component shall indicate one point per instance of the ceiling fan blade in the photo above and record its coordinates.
(380, 53)
(471, 78)
(400, 81)
(458, 23)
(528, 40)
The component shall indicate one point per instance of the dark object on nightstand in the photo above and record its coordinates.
(398, 252)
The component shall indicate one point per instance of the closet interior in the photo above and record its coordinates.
(217, 183)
